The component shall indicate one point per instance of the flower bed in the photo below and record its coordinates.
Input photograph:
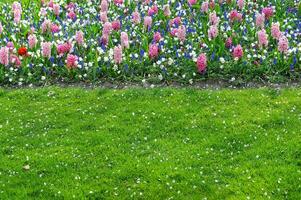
(184, 41)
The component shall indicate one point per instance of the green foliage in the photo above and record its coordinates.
(150, 144)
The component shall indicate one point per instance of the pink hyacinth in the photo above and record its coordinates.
(117, 54)
(55, 28)
(71, 15)
(16, 6)
(50, 4)
(79, 38)
(260, 20)
(17, 16)
(103, 17)
(71, 61)
(228, 42)
(71, 6)
(116, 25)
(201, 62)
(64, 48)
(213, 19)
(240, 4)
(166, 10)
(155, 9)
(4, 56)
(150, 12)
(177, 21)
(238, 52)
(136, 17)
(46, 49)
(192, 2)
(32, 30)
(213, 32)
(10, 46)
(104, 39)
(268, 12)
(239, 17)
(283, 44)
(46, 26)
(157, 37)
(153, 51)
(275, 31)
(174, 32)
(107, 28)
(147, 2)
(15, 60)
(104, 6)
(56, 9)
(32, 41)
(205, 7)
(148, 22)
(262, 38)
(235, 16)
(118, 2)
(124, 38)
(181, 33)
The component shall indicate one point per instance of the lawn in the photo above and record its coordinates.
(63, 143)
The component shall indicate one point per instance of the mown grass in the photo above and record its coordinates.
(150, 144)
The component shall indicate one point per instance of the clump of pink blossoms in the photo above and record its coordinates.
(262, 38)
(124, 38)
(213, 19)
(4, 56)
(283, 44)
(79, 37)
(201, 63)
(136, 17)
(117, 54)
(46, 49)
(238, 52)
(157, 37)
(116, 25)
(181, 33)
(64, 48)
(275, 31)
(32, 41)
(212, 32)
(153, 51)
(260, 20)
(104, 6)
(268, 12)
(148, 22)
(71, 61)
(205, 7)
(240, 4)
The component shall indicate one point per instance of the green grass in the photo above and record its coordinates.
(150, 144)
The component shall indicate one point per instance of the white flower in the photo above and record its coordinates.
(222, 60)
(160, 77)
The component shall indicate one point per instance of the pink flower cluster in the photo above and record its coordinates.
(64, 48)
(153, 51)
(17, 11)
(201, 63)
(71, 61)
